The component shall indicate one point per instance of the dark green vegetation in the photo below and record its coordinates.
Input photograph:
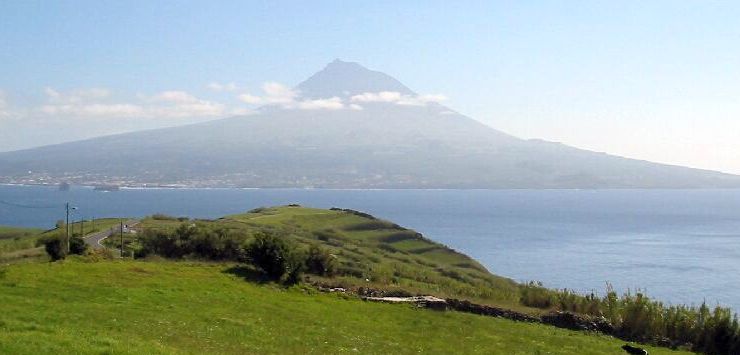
(637, 317)
(78, 306)
(55, 245)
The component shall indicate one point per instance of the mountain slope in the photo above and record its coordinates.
(384, 136)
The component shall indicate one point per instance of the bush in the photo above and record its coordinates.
(161, 243)
(216, 244)
(278, 259)
(77, 245)
(637, 317)
(192, 240)
(100, 254)
(54, 246)
(320, 262)
(163, 217)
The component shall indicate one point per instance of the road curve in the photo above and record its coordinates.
(95, 240)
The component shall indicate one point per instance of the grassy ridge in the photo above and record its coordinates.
(133, 307)
(371, 252)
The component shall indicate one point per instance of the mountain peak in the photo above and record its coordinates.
(342, 79)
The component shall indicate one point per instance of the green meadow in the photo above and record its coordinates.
(161, 307)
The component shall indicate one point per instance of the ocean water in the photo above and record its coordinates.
(681, 246)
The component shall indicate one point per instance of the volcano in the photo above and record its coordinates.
(344, 127)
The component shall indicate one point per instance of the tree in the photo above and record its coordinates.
(54, 246)
(276, 257)
(320, 262)
(77, 245)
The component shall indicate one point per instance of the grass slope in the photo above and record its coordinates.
(17, 243)
(134, 307)
(371, 249)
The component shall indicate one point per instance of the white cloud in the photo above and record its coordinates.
(275, 94)
(87, 110)
(76, 96)
(251, 99)
(421, 100)
(96, 104)
(397, 98)
(216, 86)
(383, 96)
(180, 97)
(333, 103)
(285, 97)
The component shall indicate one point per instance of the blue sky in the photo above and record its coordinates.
(654, 80)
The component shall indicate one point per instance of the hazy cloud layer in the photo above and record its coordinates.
(285, 97)
(397, 98)
(102, 104)
(218, 87)
(98, 104)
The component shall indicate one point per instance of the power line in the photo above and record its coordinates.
(18, 205)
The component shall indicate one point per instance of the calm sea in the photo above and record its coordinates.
(682, 246)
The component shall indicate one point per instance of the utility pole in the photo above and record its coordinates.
(66, 225)
(82, 227)
(122, 239)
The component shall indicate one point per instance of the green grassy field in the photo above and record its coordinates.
(7, 232)
(135, 307)
(18, 243)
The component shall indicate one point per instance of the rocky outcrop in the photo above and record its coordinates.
(468, 307)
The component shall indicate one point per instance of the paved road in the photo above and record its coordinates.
(95, 240)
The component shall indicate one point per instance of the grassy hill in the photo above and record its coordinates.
(135, 307)
(371, 252)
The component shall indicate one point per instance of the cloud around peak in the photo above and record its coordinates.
(282, 96)
(395, 97)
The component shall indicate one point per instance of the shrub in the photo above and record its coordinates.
(637, 317)
(535, 295)
(163, 217)
(320, 262)
(100, 254)
(275, 257)
(54, 246)
(161, 243)
(191, 239)
(77, 245)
